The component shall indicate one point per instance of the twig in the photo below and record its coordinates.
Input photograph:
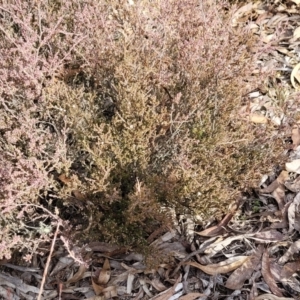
(48, 262)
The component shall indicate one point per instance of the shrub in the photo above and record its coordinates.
(111, 112)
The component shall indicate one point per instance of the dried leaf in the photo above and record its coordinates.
(283, 176)
(289, 269)
(218, 229)
(279, 195)
(258, 118)
(168, 293)
(157, 232)
(269, 236)
(175, 249)
(222, 267)
(294, 248)
(110, 292)
(158, 285)
(64, 179)
(102, 247)
(78, 195)
(131, 269)
(104, 274)
(191, 296)
(271, 297)
(270, 188)
(284, 218)
(212, 231)
(281, 179)
(296, 34)
(293, 166)
(96, 298)
(239, 276)
(266, 273)
(241, 12)
(294, 214)
(98, 289)
(16, 282)
(218, 245)
(263, 18)
(282, 50)
(62, 263)
(293, 186)
(294, 75)
(130, 280)
(78, 275)
(296, 134)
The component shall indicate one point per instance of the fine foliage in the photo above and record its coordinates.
(114, 111)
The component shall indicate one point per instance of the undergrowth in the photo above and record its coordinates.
(113, 112)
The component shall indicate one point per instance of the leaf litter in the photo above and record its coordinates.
(253, 251)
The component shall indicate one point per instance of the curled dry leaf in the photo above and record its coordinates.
(267, 275)
(98, 289)
(104, 274)
(239, 276)
(145, 287)
(99, 283)
(158, 285)
(166, 295)
(212, 231)
(78, 275)
(218, 229)
(222, 267)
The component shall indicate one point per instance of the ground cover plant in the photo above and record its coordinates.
(112, 112)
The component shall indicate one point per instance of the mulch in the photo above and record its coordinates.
(252, 253)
